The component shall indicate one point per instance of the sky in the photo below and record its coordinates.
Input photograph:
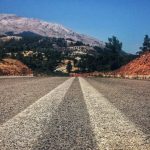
(129, 20)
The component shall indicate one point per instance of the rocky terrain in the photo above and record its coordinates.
(139, 66)
(16, 24)
(13, 67)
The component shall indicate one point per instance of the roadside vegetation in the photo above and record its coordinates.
(43, 54)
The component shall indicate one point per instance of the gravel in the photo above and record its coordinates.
(18, 93)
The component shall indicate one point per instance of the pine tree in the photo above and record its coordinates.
(69, 67)
(114, 44)
(146, 44)
(116, 47)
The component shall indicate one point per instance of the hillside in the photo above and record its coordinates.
(45, 54)
(16, 24)
(13, 67)
(138, 66)
(44, 46)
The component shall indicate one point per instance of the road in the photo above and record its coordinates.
(19, 93)
(74, 113)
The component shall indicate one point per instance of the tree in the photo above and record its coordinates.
(53, 59)
(69, 67)
(79, 43)
(114, 44)
(87, 63)
(146, 45)
(2, 54)
(116, 47)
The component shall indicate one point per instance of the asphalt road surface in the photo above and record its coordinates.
(18, 93)
(74, 114)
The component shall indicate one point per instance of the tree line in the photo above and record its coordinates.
(49, 52)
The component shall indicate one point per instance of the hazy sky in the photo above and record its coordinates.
(129, 20)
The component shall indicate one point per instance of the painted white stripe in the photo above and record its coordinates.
(112, 129)
(21, 132)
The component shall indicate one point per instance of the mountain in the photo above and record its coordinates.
(12, 23)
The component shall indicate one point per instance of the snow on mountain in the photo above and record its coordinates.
(16, 24)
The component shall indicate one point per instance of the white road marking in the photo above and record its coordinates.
(21, 132)
(112, 129)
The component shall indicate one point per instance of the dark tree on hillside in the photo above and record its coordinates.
(82, 65)
(114, 44)
(79, 43)
(87, 63)
(116, 47)
(146, 45)
(53, 59)
(69, 67)
(2, 54)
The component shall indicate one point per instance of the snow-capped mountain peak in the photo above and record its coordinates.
(16, 24)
